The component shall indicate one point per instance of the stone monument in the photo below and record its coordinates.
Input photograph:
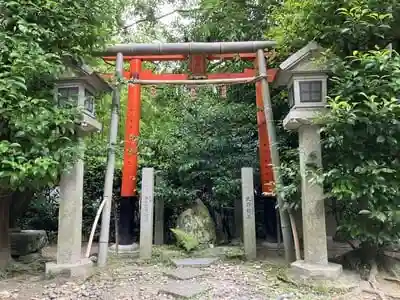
(306, 78)
(249, 220)
(146, 213)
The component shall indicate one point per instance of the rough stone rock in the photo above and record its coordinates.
(197, 222)
(225, 252)
(29, 258)
(25, 242)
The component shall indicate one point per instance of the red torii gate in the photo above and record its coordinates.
(197, 68)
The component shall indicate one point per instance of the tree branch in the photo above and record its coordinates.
(157, 18)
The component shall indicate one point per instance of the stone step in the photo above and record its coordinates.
(185, 273)
(194, 262)
(185, 290)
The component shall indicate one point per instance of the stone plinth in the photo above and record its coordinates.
(146, 213)
(301, 269)
(249, 221)
(81, 269)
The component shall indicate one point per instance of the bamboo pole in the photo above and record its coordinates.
(269, 117)
(109, 179)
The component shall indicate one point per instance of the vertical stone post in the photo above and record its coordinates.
(146, 213)
(159, 221)
(312, 194)
(249, 222)
(69, 242)
(315, 263)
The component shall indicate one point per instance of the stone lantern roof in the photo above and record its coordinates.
(79, 71)
(307, 60)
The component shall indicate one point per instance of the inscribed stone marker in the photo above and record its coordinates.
(249, 222)
(146, 213)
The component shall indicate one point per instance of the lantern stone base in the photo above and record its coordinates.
(304, 270)
(82, 269)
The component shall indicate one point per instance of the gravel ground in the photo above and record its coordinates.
(127, 279)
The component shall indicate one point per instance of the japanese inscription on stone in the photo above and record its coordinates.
(249, 207)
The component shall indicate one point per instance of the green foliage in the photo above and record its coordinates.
(198, 145)
(342, 25)
(289, 190)
(37, 139)
(185, 240)
(362, 133)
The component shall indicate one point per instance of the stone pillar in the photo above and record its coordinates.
(312, 197)
(69, 242)
(249, 221)
(146, 213)
(159, 221)
(315, 262)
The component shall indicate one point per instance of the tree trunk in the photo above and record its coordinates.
(5, 251)
(19, 204)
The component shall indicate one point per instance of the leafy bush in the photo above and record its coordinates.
(362, 134)
(185, 240)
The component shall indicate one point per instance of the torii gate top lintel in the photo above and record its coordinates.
(186, 48)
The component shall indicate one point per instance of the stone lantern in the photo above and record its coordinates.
(306, 80)
(79, 86)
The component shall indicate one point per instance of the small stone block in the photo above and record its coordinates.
(194, 262)
(124, 248)
(183, 290)
(131, 251)
(184, 273)
(302, 269)
(82, 269)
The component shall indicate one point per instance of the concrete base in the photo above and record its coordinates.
(304, 270)
(82, 269)
(124, 248)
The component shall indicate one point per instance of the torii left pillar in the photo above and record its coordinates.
(132, 127)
